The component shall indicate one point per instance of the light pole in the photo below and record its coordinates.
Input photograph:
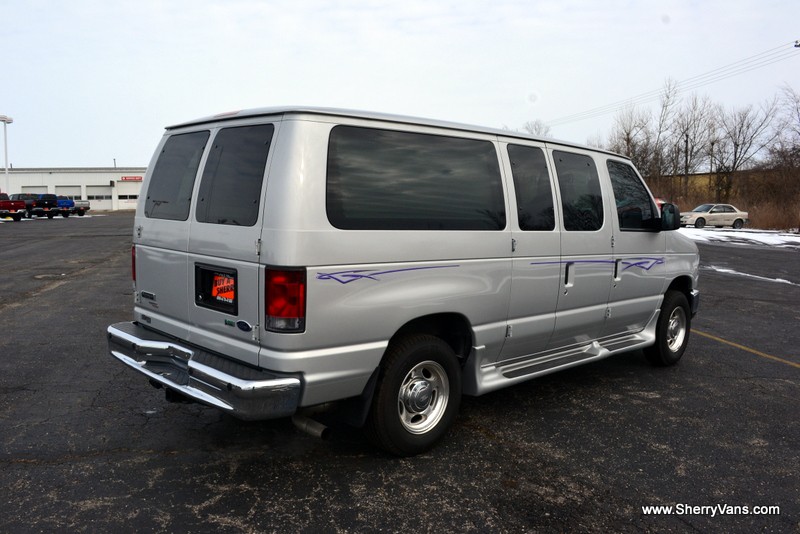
(6, 121)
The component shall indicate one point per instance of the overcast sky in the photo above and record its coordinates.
(88, 82)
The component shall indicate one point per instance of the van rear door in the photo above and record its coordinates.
(224, 273)
(161, 233)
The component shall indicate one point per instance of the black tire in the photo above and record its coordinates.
(80, 214)
(738, 223)
(51, 215)
(672, 330)
(17, 217)
(65, 215)
(700, 223)
(417, 396)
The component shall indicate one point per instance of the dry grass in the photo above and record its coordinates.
(772, 202)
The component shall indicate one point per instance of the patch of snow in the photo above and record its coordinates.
(724, 270)
(743, 237)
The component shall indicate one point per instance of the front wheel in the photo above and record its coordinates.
(700, 223)
(17, 217)
(417, 397)
(672, 330)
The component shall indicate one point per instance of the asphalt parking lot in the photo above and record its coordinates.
(88, 446)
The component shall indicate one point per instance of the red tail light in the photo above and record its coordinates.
(285, 300)
(133, 263)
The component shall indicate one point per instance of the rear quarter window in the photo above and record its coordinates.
(390, 180)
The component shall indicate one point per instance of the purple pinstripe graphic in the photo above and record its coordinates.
(642, 263)
(345, 277)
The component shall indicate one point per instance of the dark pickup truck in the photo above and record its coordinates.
(11, 208)
(39, 205)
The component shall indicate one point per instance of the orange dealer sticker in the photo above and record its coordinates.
(223, 288)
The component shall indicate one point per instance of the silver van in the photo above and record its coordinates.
(383, 266)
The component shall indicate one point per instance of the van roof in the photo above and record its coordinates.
(385, 117)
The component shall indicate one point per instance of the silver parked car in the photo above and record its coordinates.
(718, 215)
(385, 266)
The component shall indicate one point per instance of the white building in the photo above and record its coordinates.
(110, 188)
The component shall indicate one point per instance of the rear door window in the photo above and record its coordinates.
(230, 190)
(581, 197)
(391, 180)
(169, 193)
(532, 187)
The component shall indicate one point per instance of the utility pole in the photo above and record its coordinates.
(6, 121)
(686, 161)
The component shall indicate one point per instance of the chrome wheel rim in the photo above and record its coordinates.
(423, 397)
(676, 329)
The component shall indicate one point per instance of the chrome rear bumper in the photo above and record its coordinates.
(242, 391)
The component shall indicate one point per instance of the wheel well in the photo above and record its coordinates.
(684, 285)
(452, 328)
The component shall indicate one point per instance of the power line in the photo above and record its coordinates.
(757, 61)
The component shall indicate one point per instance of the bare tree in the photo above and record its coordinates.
(537, 127)
(790, 115)
(784, 157)
(742, 135)
(630, 136)
(662, 132)
(693, 130)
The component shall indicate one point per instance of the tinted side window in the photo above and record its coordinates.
(388, 180)
(230, 191)
(170, 191)
(532, 186)
(634, 208)
(579, 184)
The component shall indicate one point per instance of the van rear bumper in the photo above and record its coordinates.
(243, 391)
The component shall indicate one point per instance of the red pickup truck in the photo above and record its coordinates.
(11, 208)
(40, 205)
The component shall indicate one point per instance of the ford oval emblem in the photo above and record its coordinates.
(244, 326)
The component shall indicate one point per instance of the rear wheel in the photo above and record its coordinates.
(17, 217)
(417, 396)
(738, 223)
(65, 215)
(700, 223)
(51, 215)
(672, 330)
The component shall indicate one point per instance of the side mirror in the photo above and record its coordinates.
(670, 217)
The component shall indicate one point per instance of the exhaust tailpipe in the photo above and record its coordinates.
(311, 427)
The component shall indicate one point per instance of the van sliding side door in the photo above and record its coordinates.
(586, 261)
(536, 251)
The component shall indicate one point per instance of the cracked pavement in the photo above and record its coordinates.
(88, 446)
